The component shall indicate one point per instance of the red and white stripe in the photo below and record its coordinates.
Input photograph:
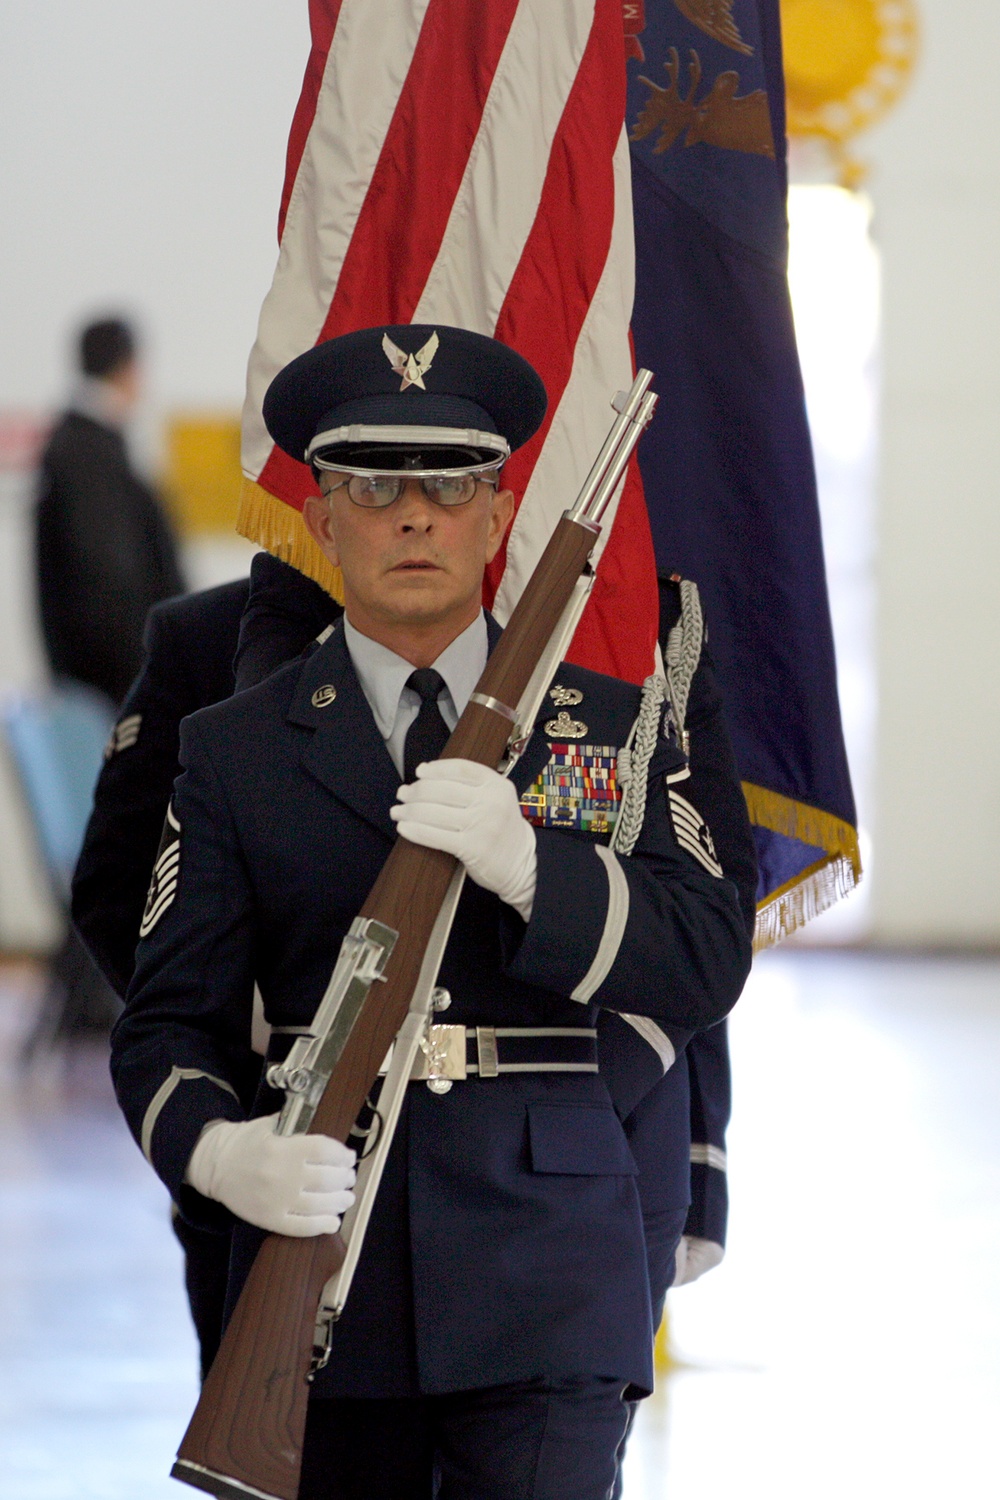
(462, 163)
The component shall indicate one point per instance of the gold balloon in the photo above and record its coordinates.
(846, 63)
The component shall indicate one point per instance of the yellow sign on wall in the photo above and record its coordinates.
(203, 479)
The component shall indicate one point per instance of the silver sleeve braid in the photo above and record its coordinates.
(682, 657)
(635, 769)
(683, 652)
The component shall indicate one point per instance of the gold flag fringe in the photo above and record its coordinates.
(794, 904)
(280, 530)
(818, 886)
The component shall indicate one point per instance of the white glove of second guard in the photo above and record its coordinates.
(694, 1257)
(297, 1185)
(473, 812)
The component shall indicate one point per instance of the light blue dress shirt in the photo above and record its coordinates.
(382, 675)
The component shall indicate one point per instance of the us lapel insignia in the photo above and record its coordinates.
(324, 696)
(564, 697)
(166, 872)
(577, 789)
(562, 727)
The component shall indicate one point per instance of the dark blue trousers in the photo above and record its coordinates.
(536, 1440)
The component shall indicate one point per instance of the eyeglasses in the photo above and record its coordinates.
(376, 491)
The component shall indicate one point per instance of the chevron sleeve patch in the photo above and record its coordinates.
(692, 832)
(166, 872)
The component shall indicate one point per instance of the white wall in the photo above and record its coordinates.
(834, 277)
(936, 188)
(141, 158)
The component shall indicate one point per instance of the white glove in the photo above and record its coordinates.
(473, 812)
(297, 1185)
(695, 1257)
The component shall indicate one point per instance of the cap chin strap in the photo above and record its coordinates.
(359, 435)
(488, 472)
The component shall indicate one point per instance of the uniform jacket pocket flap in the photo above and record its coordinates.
(581, 1139)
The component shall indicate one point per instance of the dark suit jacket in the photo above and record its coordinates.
(507, 1238)
(105, 555)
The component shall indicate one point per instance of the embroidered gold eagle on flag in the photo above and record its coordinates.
(412, 367)
(715, 19)
(722, 117)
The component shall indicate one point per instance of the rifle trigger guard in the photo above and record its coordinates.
(518, 741)
(322, 1343)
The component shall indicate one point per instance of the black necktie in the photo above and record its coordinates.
(428, 734)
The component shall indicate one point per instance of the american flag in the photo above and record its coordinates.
(467, 163)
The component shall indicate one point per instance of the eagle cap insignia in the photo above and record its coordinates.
(411, 367)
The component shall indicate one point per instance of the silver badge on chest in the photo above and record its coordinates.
(562, 727)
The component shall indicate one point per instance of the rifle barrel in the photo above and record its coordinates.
(629, 405)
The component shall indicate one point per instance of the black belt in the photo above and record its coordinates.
(458, 1052)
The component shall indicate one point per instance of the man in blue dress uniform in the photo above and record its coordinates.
(200, 647)
(501, 1305)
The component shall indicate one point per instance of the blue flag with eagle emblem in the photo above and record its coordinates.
(727, 466)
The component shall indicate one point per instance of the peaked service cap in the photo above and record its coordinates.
(383, 389)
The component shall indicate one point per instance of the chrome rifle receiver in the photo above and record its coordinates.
(427, 998)
(303, 1075)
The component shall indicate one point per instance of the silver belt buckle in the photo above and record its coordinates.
(442, 1057)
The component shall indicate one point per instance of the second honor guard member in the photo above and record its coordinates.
(501, 1306)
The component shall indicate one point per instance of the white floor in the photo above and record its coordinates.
(847, 1347)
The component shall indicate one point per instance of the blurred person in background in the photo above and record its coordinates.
(105, 551)
(105, 554)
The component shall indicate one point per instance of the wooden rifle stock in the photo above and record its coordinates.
(245, 1437)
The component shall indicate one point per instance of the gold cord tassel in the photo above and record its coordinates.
(280, 530)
